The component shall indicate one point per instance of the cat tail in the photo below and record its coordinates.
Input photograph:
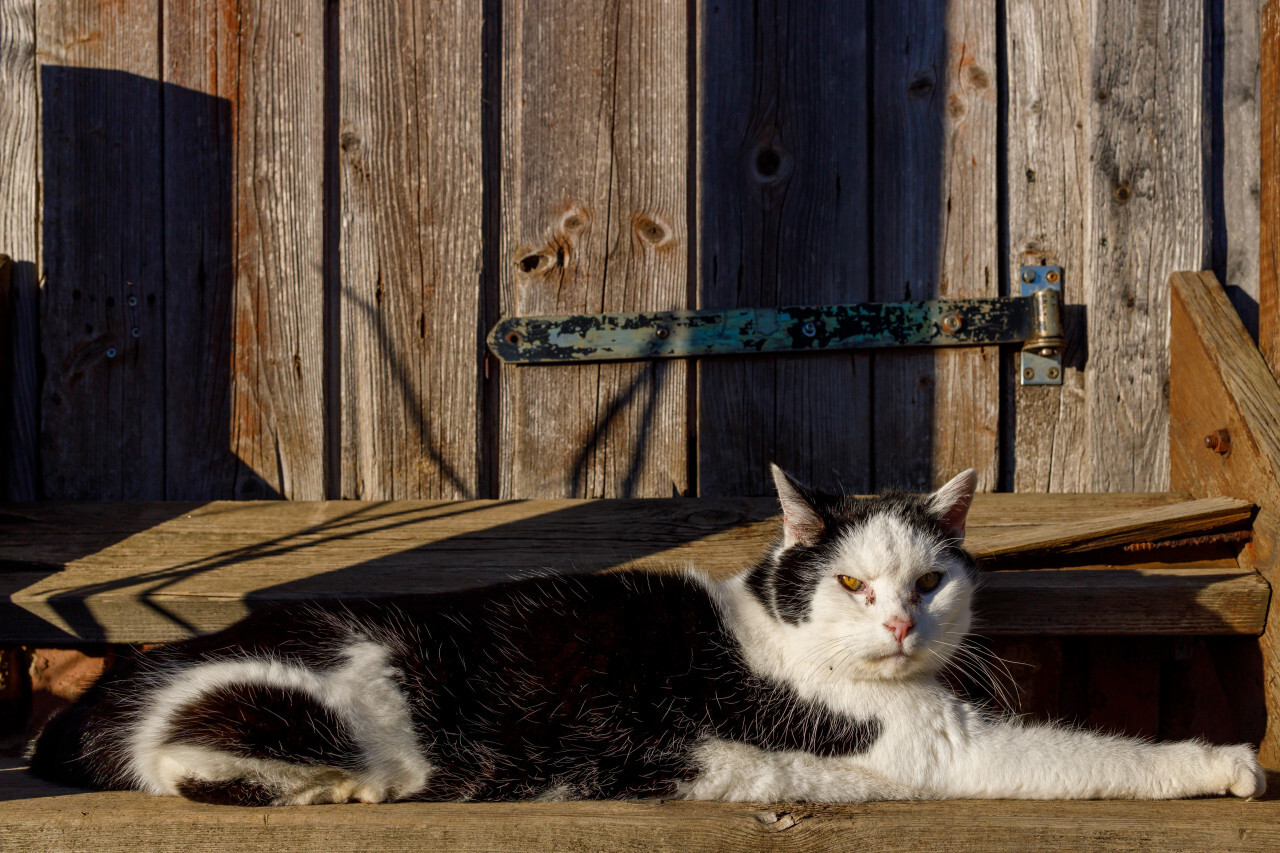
(80, 746)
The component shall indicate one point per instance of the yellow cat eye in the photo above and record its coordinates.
(851, 584)
(929, 581)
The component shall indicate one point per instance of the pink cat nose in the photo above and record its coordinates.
(899, 628)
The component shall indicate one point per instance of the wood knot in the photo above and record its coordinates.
(921, 86)
(955, 105)
(978, 77)
(1123, 193)
(650, 230)
(770, 163)
(574, 221)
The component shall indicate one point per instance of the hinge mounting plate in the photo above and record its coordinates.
(1041, 357)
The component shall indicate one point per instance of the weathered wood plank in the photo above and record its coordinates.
(782, 220)
(595, 209)
(19, 237)
(1147, 217)
(933, 232)
(102, 311)
(40, 816)
(1049, 60)
(104, 572)
(202, 94)
(1219, 380)
(1269, 215)
(1144, 525)
(410, 249)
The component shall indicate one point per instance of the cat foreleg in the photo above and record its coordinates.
(1016, 761)
(727, 770)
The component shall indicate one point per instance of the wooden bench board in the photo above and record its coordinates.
(154, 572)
(38, 816)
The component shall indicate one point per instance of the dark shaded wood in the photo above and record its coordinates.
(203, 78)
(782, 213)
(19, 238)
(102, 314)
(1219, 380)
(933, 233)
(1269, 216)
(1124, 685)
(40, 816)
(410, 249)
(595, 208)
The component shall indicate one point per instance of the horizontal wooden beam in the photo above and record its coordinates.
(154, 572)
(38, 816)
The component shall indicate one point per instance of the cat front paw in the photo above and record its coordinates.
(1244, 775)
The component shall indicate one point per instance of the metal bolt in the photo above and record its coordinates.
(136, 332)
(1051, 276)
(1028, 276)
(1029, 373)
(1054, 373)
(809, 329)
(1218, 441)
(662, 332)
(952, 323)
(133, 300)
(111, 352)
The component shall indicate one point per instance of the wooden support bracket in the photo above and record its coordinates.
(1219, 381)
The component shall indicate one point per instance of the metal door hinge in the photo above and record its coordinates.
(1041, 361)
(1033, 320)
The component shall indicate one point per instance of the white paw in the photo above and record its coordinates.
(1243, 773)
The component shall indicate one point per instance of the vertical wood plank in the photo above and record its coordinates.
(934, 232)
(102, 311)
(267, 60)
(1049, 56)
(1105, 178)
(20, 236)
(782, 176)
(1148, 217)
(594, 198)
(411, 231)
(1235, 237)
(1269, 224)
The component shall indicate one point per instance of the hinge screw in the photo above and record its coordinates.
(1219, 441)
(1029, 373)
(809, 329)
(1053, 373)
(1051, 276)
(952, 323)
(662, 332)
(1028, 276)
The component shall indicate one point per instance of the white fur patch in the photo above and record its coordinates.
(362, 692)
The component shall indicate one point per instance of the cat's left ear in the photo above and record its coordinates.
(951, 503)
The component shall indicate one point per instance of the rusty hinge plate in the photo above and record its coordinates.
(737, 331)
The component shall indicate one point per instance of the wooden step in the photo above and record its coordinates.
(153, 572)
(35, 815)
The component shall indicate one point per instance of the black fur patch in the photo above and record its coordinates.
(236, 792)
(258, 721)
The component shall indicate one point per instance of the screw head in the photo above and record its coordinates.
(662, 332)
(1028, 276)
(136, 332)
(1029, 373)
(133, 300)
(111, 352)
(1051, 276)
(1053, 373)
(952, 323)
(809, 329)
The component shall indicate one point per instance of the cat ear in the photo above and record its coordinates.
(951, 502)
(801, 524)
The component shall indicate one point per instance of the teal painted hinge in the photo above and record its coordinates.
(1033, 320)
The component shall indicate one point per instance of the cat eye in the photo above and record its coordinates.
(929, 581)
(851, 584)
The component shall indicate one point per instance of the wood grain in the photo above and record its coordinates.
(1049, 52)
(40, 816)
(1147, 218)
(19, 237)
(594, 200)
(1269, 215)
(1219, 380)
(933, 233)
(102, 333)
(202, 94)
(152, 572)
(410, 249)
(782, 214)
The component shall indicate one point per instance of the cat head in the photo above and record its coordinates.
(879, 586)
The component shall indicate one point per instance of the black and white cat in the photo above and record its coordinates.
(810, 676)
